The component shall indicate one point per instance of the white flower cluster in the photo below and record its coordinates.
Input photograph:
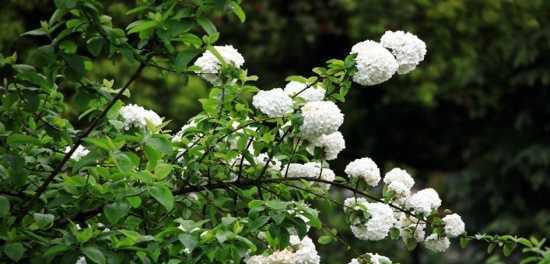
(332, 144)
(436, 243)
(299, 252)
(372, 258)
(137, 116)
(374, 63)
(381, 219)
(320, 118)
(310, 170)
(274, 163)
(407, 48)
(81, 260)
(210, 65)
(399, 182)
(78, 153)
(273, 103)
(377, 62)
(411, 227)
(424, 201)
(364, 168)
(454, 226)
(311, 94)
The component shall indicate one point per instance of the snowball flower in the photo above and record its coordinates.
(437, 244)
(310, 94)
(399, 189)
(332, 144)
(411, 227)
(424, 201)
(320, 118)
(262, 159)
(274, 103)
(210, 65)
(374, 63)
(377, 226)
(364, 168)
(79, 152)
(399, 175)
(310, 170)
(299, 252)
(454, 226)
(372, 258)
(137, 116)
(407, 48)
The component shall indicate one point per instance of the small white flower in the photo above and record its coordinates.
(137, 116)
(364, 168)
(320, 118)
(210, 65)
(437, 244)
(454, 226)
(332, 144)
(274, 103)
(400, 190)
(407, 48)
(374, 63)
(424, 201)
(399, 175)
(81, 260)
(79, 152)
(299, 252)
(310, 94)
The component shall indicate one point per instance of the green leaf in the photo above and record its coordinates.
(276, 204)
(183, 58)
(238, 11)
(115, 211)
(134, 201)
(189, 241)
(324, 240)
(95, 45)
(14, 251)
(162, 170)
(141, 25)
(65, 4)
(16, 139)
(76, 69)
(159, 143)
(43, 221)
(163, 195)
(94, 254)
(207, 25)
(191, 39)
(55, 250)
(4, 206)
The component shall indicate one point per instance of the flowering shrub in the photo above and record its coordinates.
(232, 185)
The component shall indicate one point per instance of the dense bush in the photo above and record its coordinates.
(124, 188)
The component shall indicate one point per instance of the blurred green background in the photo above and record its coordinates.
(473, 120)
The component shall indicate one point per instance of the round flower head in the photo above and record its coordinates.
(372, 258)
(262, 159)
(399, 175)
(407, 48)
(295, 170)
(377, 226)
(137, 116)
(424, 201)
(400, 190)
(299, 252)
(210, 65)
(320, 118)
(274, 103)
(374, 63)
(259, 259)
(437, 244)
(454, 226)
(79, 152)
(364, 168)
(411, 227)
(332, 144)
(310, 94)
